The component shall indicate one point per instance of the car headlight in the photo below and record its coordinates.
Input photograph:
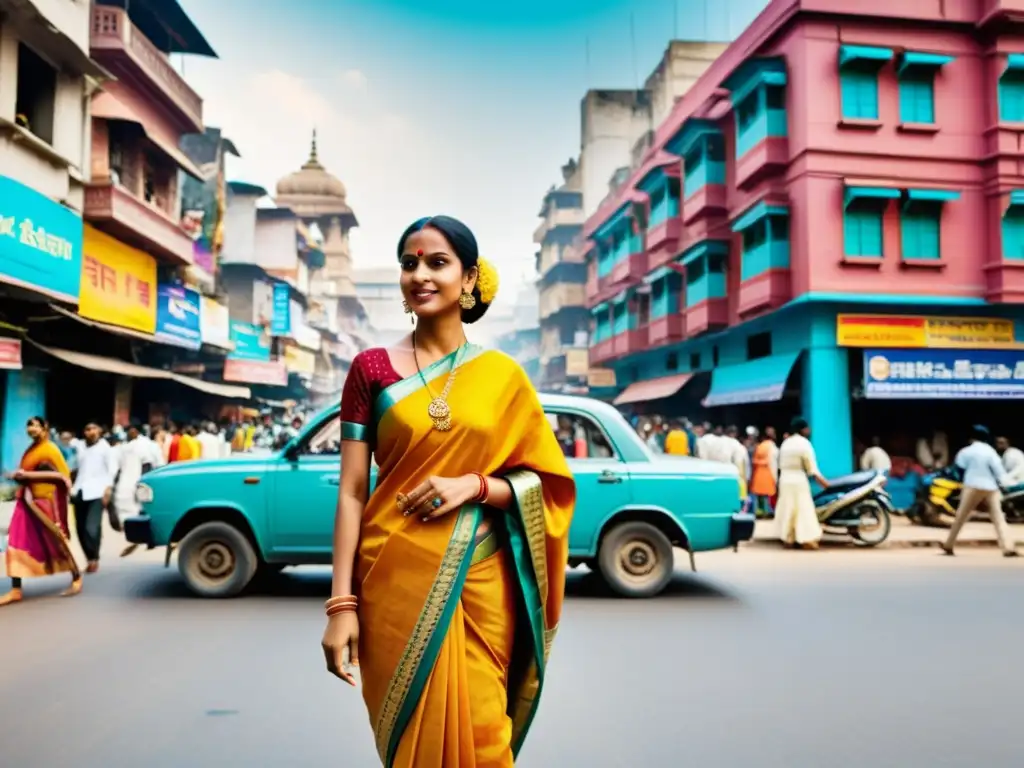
(143, 493)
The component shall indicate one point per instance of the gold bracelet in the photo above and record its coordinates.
(334, 610)
(341, 599)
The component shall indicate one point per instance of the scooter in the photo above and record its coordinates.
(857, 505)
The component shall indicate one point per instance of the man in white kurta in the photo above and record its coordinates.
(1013, 460)
(798, 520)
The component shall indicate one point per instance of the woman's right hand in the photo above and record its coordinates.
(341, 639)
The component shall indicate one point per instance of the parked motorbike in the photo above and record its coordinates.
(939, 496)
(857, 505)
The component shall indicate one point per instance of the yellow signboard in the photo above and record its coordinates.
(916, 332)
(299, 360)
(118, 283)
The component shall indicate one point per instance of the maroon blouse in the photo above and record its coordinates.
(370, 374)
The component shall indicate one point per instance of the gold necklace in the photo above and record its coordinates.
(438, 410)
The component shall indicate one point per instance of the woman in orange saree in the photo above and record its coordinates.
(37, 540)
(449, 578)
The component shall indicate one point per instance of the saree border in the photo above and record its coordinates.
(428, 634)
(393, 394)
(528, 547)
(350, 430)
(54, 530)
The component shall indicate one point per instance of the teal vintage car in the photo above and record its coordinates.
(233, 519)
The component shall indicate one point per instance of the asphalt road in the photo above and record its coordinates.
(839, 659)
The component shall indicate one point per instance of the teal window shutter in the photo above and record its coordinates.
(859, 92)
(917, 97)
(862, 228)
(696, 282)
(921, 226)
(1011, 96)
(1013, 233)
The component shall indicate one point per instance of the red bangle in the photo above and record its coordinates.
(483, 493)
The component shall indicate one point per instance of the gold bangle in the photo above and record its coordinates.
(337, 609)
(341, 599)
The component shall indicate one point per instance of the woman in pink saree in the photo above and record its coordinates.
(37, 541)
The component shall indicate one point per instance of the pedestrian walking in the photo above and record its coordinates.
(92, 492)
(38, 539)
(983, 476)
(798, 519)
(763, 485)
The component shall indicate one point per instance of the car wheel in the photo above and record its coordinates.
(636, 560)
(216, 560)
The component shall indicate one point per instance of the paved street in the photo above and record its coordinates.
(765, 658)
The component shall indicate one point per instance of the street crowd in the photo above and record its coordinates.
(775, 476)
(65, 476)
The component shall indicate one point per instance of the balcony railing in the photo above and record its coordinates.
(602, 351)
(707, 316)
(666, 330)
(113, 208)
(115, 41)
(629, 342)
(630, 269)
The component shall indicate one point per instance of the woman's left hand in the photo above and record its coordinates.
(18, 475)
(452, 491)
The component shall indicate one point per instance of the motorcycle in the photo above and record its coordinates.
(939, 495)
(937, 498)
(857, 505)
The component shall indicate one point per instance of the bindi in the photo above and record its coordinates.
(419, 252)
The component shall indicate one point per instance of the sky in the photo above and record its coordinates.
(437, 106)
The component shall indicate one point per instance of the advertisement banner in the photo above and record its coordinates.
(916, 332)
(262, 302)
(10, 354)
(178, 315)
(281, 319)
(943, 374)
(251, 342)
(214, 322)
(270, 372)
(118, 283)
(40, 242)
(299, 360)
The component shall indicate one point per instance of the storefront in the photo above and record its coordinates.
(40, 260)
(914, 375)
(250, 362)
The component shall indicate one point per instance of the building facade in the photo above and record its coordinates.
(829, 224)
(562, 276)
(46, 76)
(381, 296)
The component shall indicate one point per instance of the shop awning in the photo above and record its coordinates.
(119, 331)
(107, 106)
(124, 368)
(756, 381)
(652, 389)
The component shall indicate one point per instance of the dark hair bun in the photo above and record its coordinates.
(463, 243)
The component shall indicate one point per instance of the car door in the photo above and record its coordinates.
(602, 477)
(305, 496)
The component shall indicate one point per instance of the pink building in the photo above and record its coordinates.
(841, 159)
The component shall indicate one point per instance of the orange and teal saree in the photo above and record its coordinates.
(455, 628)
(37, 540)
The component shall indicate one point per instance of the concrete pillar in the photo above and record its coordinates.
(825, 400)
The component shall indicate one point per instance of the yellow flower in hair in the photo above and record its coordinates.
(486, 280)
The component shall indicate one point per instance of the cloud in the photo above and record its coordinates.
(354, 78)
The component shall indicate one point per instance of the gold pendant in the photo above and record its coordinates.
(440, 414)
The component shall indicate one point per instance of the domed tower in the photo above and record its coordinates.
(319, 197)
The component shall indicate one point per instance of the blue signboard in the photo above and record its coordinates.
(944, 374)
(40, 242)
(177, 315)
(281, 320)
(251, 342)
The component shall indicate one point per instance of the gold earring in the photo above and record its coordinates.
(467, 300)
(408, 310)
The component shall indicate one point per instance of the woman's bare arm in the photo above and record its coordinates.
(499, 493)
(352, 495)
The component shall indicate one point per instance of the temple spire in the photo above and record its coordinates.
(312, 149)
